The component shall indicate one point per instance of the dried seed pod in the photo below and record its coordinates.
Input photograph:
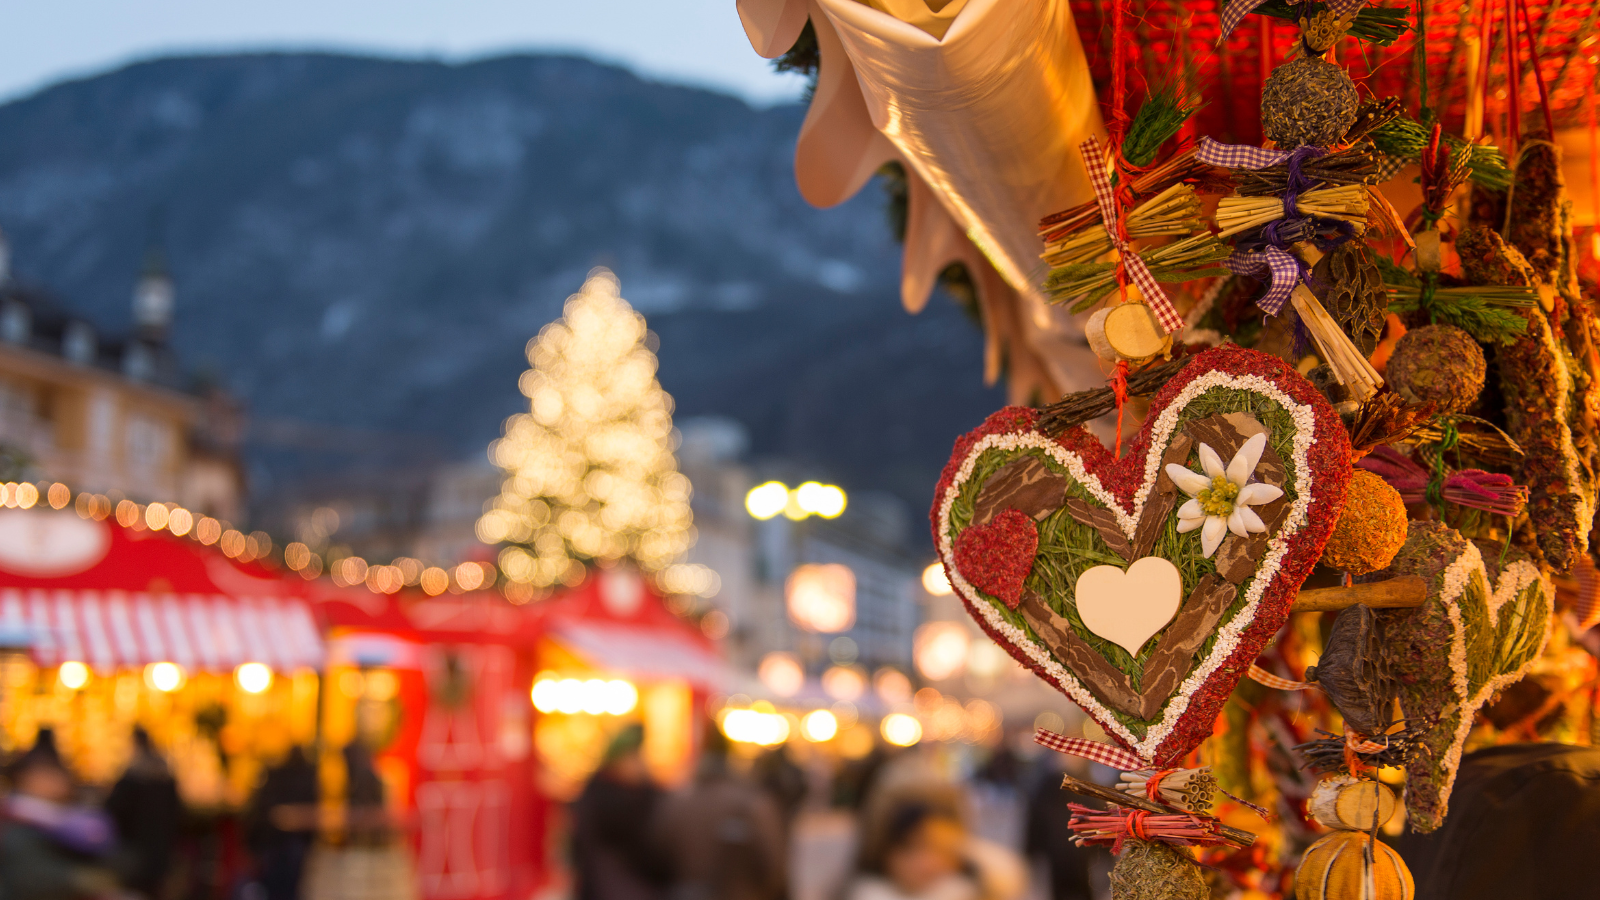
(1355, 296)
(1308, 101)
(1353, 673)
(1438, 364)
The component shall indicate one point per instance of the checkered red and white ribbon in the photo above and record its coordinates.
(1273, 264)
(1364, 745)
(1267, 679)
(1094, 751)
(1237, 156)
(1154, 297)
(1236, 10)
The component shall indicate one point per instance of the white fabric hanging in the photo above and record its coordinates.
(986, 118)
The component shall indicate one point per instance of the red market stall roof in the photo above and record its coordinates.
(617, 621)
(614, 620)
(112, 597)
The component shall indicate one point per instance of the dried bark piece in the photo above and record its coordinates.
(1153, 519)
(1174, 654)
(1109, 684)
(1103, 521)
(1026, 485)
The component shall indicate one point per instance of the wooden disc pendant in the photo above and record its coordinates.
(1126, 331)
(1345, 803)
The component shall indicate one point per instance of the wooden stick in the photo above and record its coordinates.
(1404, 592)
(1236, 837)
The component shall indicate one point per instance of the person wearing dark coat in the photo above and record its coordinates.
(1524, 822)
(613, 857)
(145, 808)
(51, 849)
(723, 835)
(1046, 836)
(281, 825)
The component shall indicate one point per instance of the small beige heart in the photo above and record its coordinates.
(1128, 607)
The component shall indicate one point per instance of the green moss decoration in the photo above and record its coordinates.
(1150, 870)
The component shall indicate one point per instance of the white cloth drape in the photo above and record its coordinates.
(987, 121)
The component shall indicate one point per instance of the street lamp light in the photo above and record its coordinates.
(765, 501)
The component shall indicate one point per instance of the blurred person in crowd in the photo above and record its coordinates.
(1046, 836)
(50, 848)
(366, 820)
(145, 808)
(281, 825)
(914, 844)
(723, 835)
(613, 856)
(782, 778)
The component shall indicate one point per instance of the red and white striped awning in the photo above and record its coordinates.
(112, 629)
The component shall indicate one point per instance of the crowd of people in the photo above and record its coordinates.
(731, 832)
(61, 840)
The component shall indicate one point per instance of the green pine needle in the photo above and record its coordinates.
(1404, 137)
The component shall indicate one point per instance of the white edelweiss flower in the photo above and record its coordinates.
(1222, 497)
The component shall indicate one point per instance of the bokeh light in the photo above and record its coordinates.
(901, 730)
(253, 677)
(819, 725)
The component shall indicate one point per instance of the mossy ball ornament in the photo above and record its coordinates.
(1372, 528)
(1151, 870)
(1308, 101)
(1438, 364)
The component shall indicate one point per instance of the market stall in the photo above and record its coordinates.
(443, 690)
(107, 627)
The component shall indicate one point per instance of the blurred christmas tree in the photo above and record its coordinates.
(590, 473)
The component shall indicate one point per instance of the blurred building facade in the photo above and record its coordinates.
(112, 413)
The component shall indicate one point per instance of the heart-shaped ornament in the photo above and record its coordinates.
(1158, 577)
(1127, 607)
(998, 555)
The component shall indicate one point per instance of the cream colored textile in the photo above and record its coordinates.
(987, 120)
(932, 16)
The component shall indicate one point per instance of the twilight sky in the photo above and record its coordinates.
(693, 41)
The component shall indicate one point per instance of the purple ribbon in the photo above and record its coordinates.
(1235, 11)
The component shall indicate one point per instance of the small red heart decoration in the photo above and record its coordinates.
(996, 558)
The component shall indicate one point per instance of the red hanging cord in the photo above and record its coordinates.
(1513, 78)
(1538, 75)
(1594, 169)
(1119, 390)
(1118, 130)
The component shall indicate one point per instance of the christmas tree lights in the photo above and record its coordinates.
(590, 473)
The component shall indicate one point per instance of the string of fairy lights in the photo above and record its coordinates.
(590, 475)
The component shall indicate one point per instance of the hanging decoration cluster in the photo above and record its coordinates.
(590, 472)
(1410, 414)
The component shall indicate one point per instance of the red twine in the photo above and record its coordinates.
(1111, 828)
(1119, 390)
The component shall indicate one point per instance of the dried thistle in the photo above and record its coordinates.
(1385, 419)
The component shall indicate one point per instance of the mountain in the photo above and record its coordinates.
(362, 247)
